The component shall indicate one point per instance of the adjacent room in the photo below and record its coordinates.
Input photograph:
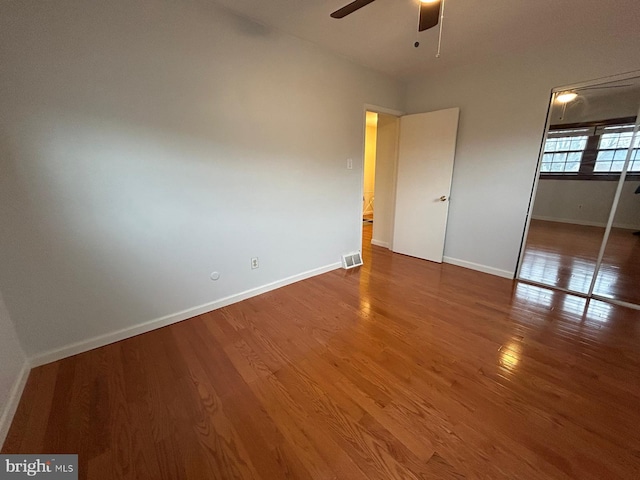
(341, 240)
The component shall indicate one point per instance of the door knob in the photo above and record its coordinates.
(443, 198)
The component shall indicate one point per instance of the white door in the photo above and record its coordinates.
(425, 166)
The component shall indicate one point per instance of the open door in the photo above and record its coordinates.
(425, 167)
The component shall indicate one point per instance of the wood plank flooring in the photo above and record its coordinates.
(564, 255)
(404, 369)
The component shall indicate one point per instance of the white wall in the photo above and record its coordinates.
(146, 144)
(13, 370)
(587, 202)
(503, 106)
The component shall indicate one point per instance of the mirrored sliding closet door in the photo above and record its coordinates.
(582, 231)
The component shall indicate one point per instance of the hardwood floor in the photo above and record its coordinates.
(404, 369)
(619, 276)
(564, 255)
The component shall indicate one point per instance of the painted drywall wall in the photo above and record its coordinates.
(386, 168)
(503, 107)
(147, 144)
(587, 202)
(369, 182)
(12, 370)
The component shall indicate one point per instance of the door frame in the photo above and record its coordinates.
(385, 111)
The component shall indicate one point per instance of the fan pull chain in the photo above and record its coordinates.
(440, 30)
(417, 43)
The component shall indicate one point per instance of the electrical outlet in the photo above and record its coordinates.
(349, 163)
(254, 263)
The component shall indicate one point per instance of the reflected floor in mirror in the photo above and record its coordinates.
(619, 275)
(564, 255)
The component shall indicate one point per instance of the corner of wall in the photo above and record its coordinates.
(11, 406)
(16, 368)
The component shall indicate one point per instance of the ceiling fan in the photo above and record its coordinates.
(431, 12)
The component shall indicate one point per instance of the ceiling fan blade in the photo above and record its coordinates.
(350, 8)
(429, 15)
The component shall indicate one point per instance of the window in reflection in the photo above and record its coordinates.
(564, 271)
(583, 176)
(540, 265)
(580, 275)
(573, 305)
(563, 151)
(600, 311)
(537, 295)
(613, 147)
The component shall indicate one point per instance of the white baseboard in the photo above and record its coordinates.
(571, 221)
(106, 339)
(626, 226)
(6, 416)
(479, 267)
(380, 243)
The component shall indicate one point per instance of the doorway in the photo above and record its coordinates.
(382, 131)
(369, 177)
(407, 172)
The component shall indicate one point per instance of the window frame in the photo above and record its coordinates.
(589, 154)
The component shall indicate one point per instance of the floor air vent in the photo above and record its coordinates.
(351, 260)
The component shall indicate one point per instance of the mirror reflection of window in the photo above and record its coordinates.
(584, 213)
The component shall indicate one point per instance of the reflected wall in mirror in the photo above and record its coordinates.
(583, 160)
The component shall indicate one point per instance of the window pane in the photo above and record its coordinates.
(550, 145)
(635, 166)
(602, 167)
(617, 166)
(564, 153)
(608, 140)
(625, 140)
(572, 167)
(559, 157)
(604, 155)
(564, 144)
(574, 157)
(578, 143)
(620, 155)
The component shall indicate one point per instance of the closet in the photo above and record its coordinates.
(583, 228)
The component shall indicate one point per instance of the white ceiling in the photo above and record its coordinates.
(381, 35)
